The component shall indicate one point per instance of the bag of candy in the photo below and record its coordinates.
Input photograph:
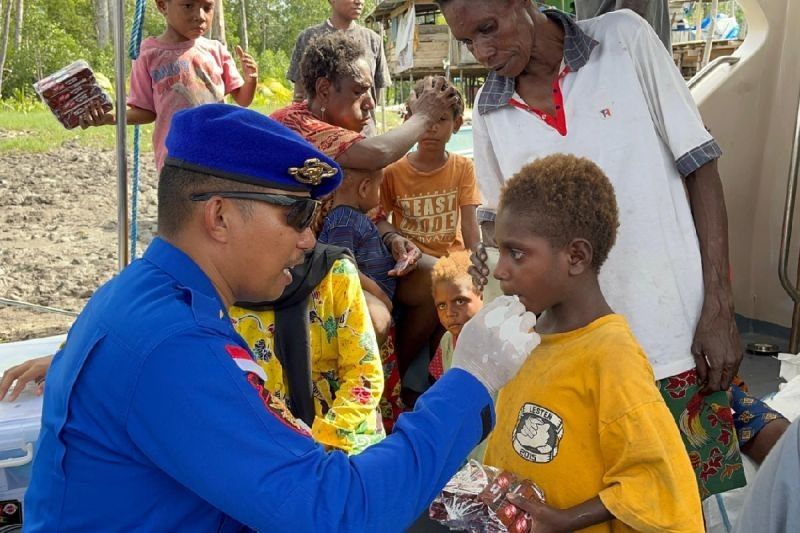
(475, 500)
(70, 91)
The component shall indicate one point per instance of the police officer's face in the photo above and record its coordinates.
(265, 247)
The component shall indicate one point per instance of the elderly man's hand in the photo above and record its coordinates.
(716, 348)
(31, 370)
(433, 100)
(479, 270)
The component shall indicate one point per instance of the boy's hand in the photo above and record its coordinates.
(31, 370)
(433, 99)
(249, 65)
(544, 519)
(406, 253)
(95, 116)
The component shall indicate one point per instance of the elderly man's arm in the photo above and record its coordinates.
(716, 347)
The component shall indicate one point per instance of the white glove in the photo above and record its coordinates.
(493, 345)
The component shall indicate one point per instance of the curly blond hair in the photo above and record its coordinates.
(570, 197)
(451, 267)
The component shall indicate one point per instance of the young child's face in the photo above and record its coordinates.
(529, 266)
(456, 302)
(437, 136)
(188, 18)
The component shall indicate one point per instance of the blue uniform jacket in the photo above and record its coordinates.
(155, 420)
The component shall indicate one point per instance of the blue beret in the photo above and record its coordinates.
(238, 144)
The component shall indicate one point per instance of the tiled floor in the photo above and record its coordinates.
(760, 372)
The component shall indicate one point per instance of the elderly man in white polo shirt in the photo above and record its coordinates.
(606, 89)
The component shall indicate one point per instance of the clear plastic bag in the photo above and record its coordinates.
(475, 500)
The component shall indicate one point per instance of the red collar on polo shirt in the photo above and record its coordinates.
(557, 122)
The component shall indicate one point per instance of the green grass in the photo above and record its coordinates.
(41, 132)
(38, 131)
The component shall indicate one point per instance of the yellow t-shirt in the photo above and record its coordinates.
(426, 206)
(346, 369)
(583, 418)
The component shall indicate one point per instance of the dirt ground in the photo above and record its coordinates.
(58, 232)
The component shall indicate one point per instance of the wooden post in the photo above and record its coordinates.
(383, 90)
(712, 26)
(698, 21)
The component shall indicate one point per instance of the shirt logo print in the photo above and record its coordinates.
(606, 112)
(537, 434)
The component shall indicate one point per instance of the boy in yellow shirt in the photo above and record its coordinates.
(583, 417)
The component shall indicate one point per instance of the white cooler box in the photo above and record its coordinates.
(20, 422)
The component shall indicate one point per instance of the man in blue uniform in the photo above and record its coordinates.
(155, 416)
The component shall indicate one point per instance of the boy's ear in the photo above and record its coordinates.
(363, 186)
(457, 123)
(580, 256)
(161, 5)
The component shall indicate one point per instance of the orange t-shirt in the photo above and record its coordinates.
(426, 206)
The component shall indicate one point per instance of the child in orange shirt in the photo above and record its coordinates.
(431, 193)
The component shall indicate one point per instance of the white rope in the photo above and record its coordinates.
(44, 308)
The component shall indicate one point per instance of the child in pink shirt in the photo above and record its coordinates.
(181, 69)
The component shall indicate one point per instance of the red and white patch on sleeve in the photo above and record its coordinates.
(245, 361)
(257, 378)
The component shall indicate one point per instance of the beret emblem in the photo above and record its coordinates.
(312, 172)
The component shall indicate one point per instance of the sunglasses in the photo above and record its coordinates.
(301, 208)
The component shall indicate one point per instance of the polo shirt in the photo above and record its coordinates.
(156, 418)
(625, 106)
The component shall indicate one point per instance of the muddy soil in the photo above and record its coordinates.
(58, 232)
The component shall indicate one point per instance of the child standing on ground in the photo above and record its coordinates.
(583, 418)
(181, 69)
(431, 193)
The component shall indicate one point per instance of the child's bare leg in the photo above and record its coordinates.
(757, 424)
(760, 445)
(419, 321)
(380, 315)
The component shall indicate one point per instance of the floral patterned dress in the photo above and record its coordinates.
(346, 369)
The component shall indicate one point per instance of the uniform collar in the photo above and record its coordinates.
(578, 46)
(184, 270)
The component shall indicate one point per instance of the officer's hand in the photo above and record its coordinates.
(495, 342)
(32, 370)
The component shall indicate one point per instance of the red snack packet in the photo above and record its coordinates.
(494, 493)
(70, 91)
(474, 500)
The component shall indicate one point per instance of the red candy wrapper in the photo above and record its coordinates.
(475, 500)
(70, 91)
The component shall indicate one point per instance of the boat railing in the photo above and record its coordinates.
(705, 71)
(792, 289)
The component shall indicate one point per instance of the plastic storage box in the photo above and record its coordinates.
(20, 422)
